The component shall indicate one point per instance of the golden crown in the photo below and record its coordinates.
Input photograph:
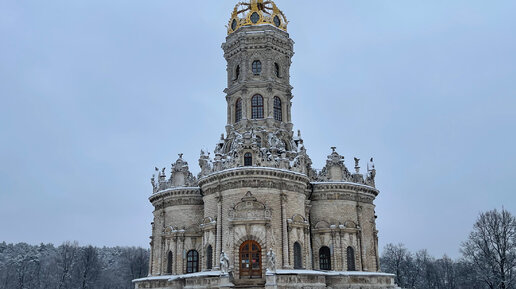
(256, 12)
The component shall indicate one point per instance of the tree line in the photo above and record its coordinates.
(488, 262)
(488, 259)
(70, 266)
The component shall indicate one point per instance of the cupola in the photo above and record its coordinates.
(257, 12)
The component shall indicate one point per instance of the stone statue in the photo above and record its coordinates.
(357, 166)
(271, 261)
(224, 263)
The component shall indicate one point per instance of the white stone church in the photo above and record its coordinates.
(258, 215)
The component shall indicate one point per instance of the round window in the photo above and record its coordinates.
(255, 17)
(234, 24)
(277, 21)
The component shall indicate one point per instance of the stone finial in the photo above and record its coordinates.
(357, 167)
(371, 173)
(334, 149)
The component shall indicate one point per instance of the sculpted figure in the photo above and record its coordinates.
(224, 263)
(271, 261)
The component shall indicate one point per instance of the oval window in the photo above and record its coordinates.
(255, 17)
(277, 21)
(234, 24)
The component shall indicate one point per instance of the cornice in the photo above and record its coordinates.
(254, 177)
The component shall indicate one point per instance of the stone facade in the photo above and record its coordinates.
(258, 214)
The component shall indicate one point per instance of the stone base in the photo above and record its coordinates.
(283, 279)
(270, 281)
(224, 282)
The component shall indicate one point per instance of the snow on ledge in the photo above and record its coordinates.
(332, 273)
(278, 272)
(177, 277)
(253, 167)
(342, 183)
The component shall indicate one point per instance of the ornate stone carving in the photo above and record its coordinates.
(180, 177)
(249, 209)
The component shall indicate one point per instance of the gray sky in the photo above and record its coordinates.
(94, 94)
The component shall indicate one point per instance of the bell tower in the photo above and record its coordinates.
(258, 51)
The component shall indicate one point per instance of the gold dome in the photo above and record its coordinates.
(257, 12)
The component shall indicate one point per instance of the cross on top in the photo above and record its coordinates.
(181, 156)
(333, 148)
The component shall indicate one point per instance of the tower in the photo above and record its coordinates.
(258, 215)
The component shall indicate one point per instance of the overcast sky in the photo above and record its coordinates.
(94, 94)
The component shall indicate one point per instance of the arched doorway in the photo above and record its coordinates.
(250, 260)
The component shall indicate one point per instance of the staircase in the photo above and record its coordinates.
(250, 283)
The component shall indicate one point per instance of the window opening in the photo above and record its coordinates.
(257, 67)
(209, 257)
(278, 115)
(298, 257)
(350, 252)
(192, 261)
(324, 258)
(238, 110)
(257, 106)
(248, 159)
(169, 263)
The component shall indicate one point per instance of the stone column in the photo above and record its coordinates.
(218, 236)
(174, 254)
(334, 264)
(230, 111)
(308, 257)
(344, 251)
(376, 253)
(161, 254)
(363, 253)
(181, 260)
(284, 239)
(151, 265)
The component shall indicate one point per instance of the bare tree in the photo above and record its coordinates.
(88, 267)
(397, 259)
(67, 258)
(491, 249)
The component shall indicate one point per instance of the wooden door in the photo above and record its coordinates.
(250, 260)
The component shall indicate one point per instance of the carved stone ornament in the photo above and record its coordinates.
(249, 209)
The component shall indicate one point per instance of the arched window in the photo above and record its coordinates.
(276, 69)
(169, 263)
(257, 106)
(298, 257)
(324, 258)
(209, 257)
(237, 72)
(192, 261)
(238, 110)
(277, 109)
(257, 67)
(351, 259)
(248, 159)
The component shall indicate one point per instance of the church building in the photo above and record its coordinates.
(258, 215)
